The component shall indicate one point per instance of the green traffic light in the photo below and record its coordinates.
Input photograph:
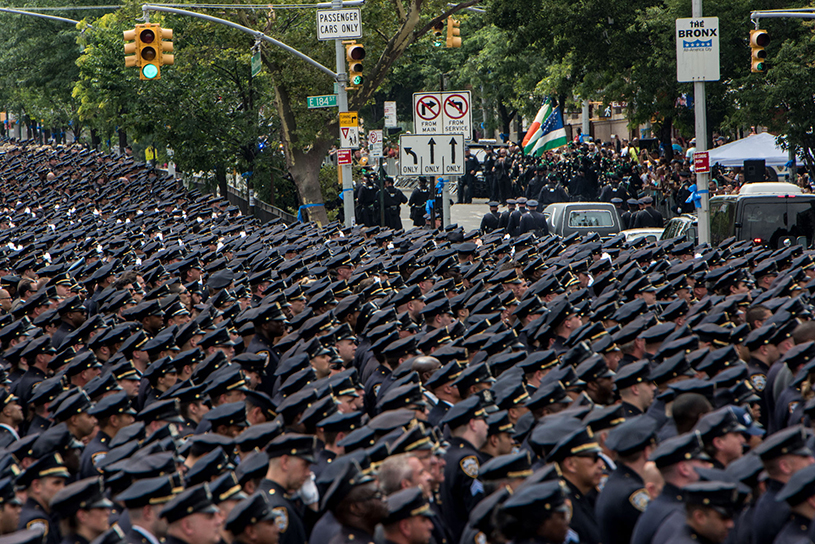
(357, 80)
(150, 71)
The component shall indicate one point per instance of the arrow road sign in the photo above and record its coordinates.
(430, 155)
(442, 113)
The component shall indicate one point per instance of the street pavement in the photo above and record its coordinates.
(467, 216)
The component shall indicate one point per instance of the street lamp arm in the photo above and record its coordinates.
(258, 35)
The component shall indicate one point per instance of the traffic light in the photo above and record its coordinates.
(354, 53)
(147, 49)
(438, 31)
(453, 33)
(758, 41)
(130, 48)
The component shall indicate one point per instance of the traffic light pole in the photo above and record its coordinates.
(702, 180)
(342, 106)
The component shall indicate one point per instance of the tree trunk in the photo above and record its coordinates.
(220, 178)
(303, 165)
(122, 140)
(665, 129)
(95, 140)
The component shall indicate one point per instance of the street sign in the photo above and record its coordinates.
(701, 162)
(697, 49)
(443, 113)
(390, 115)
(349, 137)
(375, 143)
(324, 101)
(255, 64)
(343, 156)
(339, 24)
(431, 155)
(349, 119)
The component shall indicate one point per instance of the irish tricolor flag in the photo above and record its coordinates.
(546, 132)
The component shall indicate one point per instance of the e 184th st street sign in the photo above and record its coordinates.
(324, 101)
(431, 155)
(338, 24)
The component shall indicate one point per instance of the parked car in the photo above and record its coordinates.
(681, 225)
(565, 218)
(771, 214)
(650, 234)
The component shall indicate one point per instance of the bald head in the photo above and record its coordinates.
(425, 367)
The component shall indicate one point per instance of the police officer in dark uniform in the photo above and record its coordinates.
(73, 315)
(708, 513)
(534, 221)
(441, 385)
(503, 221)
(490, 220)
(552, 192)
(113, 412)
(11, 418)
(393, 199)
(290, 455)
(406, 506)
(789, 446)
(624, 496)
(627, 217)
(648, 217)
(537, 514)
(144, 500)
(192, 517)
(38, 353)
(357, 502)
(578, 456)
(797, 493)
(514, 222)
(667, 508)
(253, 521)
(763, 353)
(270, 324)
(461, 489)
(83, 510)
(42, 480)
(418, 200)
(466, 182)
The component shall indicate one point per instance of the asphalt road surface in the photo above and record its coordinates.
(467, 216)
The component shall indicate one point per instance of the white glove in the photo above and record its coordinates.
(308, 491)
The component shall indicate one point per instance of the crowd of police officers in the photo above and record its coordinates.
(174, 371)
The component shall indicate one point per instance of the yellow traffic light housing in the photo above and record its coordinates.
(453, 33)
(758, 41)
(167, 46)
(145, 47)
(354, 54)
(438, 31)
(130, 48)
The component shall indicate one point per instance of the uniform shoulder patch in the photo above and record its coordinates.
(38, 523)
(282, 518)
(98, 457)
(639, 499)
(376, 389)
(480, 538)
(266, 353)
(759, 381)
(793, 405)
(470, 466)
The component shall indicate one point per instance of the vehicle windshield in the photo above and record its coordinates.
(771, 222)
(590, 218)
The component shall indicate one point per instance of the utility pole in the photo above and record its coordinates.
(342, 106)
(702, 179)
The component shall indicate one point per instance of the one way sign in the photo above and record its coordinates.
(431, 155)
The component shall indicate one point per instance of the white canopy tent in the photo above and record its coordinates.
(755, 147)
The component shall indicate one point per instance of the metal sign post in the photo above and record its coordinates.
(697, 60)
